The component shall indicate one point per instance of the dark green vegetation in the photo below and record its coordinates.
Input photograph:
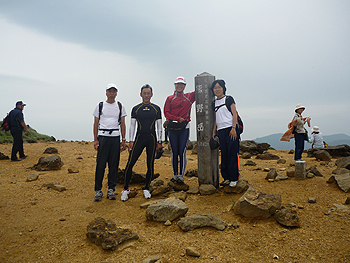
(33, 136)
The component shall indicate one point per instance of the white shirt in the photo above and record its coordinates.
(109, 119)
(223, 115)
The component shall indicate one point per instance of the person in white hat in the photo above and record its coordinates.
(109, 125)
(300, 133)
(316, 138)
(177, 109)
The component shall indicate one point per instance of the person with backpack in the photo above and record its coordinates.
(226, 127)
(177, 110)
(17, 125)
(148, 119)
(109, 124)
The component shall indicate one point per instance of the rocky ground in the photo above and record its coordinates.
(44, 225)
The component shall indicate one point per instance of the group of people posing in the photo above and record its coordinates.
(146, 132)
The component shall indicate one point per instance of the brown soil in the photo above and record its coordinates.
(44, 225)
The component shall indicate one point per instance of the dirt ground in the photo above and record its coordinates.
(43, 225)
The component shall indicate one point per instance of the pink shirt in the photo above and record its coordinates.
(179, 106)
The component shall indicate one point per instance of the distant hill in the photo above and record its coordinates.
(274, 141)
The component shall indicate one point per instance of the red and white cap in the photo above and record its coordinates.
(180, 80)
(111, 85)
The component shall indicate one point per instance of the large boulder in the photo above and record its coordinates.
(343, 181)
(242, 185)
(48, 163)
(253, 147)
(255, 204)
(199, 220)
(335, 151)
(106, 234)
(167, 209)
(343, 162)
(322, 155)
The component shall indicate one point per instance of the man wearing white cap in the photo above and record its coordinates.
(177, 109)
(109, 124)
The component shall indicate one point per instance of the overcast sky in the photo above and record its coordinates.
(58, 56)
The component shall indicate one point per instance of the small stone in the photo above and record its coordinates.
(347, 202)
(276, 257)
(73, 170)
(292, 205)
(151, 259)
(62, 219)
(190, 251)
(167, 223)
(32, 177)
(312, 200)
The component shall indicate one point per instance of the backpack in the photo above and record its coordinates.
(239, 124)
(6, 123)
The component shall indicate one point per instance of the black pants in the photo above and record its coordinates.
(142, 140)
(17, 146)
(108, 152)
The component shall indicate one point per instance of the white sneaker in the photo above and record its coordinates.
(125, 195)
(233, 183)
(146, 194)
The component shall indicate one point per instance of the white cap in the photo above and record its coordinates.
(180, 80)
(111, 85)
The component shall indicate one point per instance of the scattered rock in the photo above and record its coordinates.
(207, 189)
(290, 172)
(253, 147)
(282, 161)
(189, 145)
(178, 187)
(315, 171)
(312, 200)
(51, 150)
(191, 173)
(3, 156)
(32, 177)
(55, 186)
(52, 162)
(136, 178)
(106, 234)
(267, 156)
(157, 187)
(180, 195)
(271, 174)
(73, 170)
(287, 217)
(250, 163)
(255, 204)
(335, 151)
(190, 251)
(347, 202)
(195, 149)
(167, 223)
(246, 155)
(200, 220)
(193, 190)
(280, 177)
(291, 151)
(152, 259)
(167, 209)
(242, 185)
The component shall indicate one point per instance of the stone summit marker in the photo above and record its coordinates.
(208, 160)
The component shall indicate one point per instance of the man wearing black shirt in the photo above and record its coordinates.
(17, 125)
(146, 115)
